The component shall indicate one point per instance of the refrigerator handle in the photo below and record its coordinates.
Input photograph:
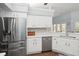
(3, 24)
(12, 37)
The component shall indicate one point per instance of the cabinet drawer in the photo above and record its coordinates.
(13, 45)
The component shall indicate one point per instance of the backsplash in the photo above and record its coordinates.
(41, 31)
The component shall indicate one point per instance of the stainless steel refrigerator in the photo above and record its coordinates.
(17, 37)
(13, 36)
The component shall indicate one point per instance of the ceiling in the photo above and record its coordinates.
(60, 8)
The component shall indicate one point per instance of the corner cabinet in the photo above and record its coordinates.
(34, 45)
(34, 21)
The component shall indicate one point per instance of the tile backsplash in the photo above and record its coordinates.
(41, 31)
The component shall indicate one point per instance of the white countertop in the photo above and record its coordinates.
(48, 34)
(41, 35)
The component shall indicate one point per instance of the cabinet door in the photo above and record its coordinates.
(65, 45)
(74, 47)
(34, 45)
(71, 46)
(30, 45)
(37, 45)
(54, 43)
(60, 44)
(39, 21)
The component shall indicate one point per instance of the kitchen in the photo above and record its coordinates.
(39, 30)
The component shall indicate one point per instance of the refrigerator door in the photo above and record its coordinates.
(20, 29)
(13, 30)
(17, 45)
(1, 30)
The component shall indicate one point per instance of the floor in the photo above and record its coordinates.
(47, 53)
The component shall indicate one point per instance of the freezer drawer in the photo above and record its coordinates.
(46, 43)
(17, 52)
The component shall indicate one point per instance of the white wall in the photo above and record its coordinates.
(69, 19)
(65, 18)
(62, 18)
(41, 31)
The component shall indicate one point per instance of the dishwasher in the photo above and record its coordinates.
(47, 43)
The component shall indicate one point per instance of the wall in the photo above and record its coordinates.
(74, 18)
(62, 18)
(69, 19)
(41, 31)
(65, 18)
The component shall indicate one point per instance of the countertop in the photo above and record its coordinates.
(48, 34)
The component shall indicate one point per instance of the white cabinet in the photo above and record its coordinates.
(74, 47)
(64, 45)
(34, 45)
(61, 42)
(34, 21)
(58, 44)
(54, 43)
(71, 46)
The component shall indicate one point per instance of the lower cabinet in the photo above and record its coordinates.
(74, 47)
(54, 43)
(58, 44)
(68, 46)
(34, 45)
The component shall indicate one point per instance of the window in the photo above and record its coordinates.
(55, 29)
(77, 26)
(59, 28)
(63, 27)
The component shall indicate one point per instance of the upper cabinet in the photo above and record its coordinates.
(36, 17)
(34, 21)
